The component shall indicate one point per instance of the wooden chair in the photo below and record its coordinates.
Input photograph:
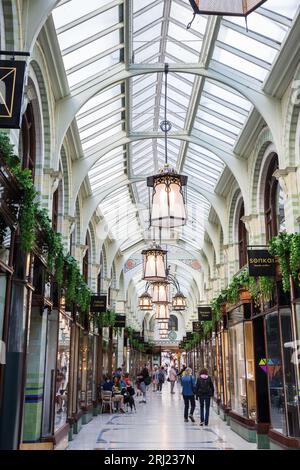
(106, 400)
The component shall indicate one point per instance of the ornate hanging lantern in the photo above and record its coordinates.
(225, 7)
(160, 292)
(179, 301)
(168, 201)
(154, 259)
(162, 313)
(168, 204)
(145, 301)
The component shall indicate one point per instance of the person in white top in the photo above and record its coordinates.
(172, 378)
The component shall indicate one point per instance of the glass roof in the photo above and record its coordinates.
(94, 40)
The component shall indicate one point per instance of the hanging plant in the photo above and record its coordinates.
(295, 254)
(280, 246)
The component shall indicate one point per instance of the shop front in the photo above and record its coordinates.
(242, 386)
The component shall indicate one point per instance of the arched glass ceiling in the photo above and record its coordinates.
(92, 37)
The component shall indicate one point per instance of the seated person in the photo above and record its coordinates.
(107, 384)
(117, 393)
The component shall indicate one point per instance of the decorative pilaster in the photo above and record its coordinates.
(289, 181)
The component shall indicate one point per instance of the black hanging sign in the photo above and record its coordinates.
(189, 335)
(261, 263)
(136, 335)
(12, 74)
(120, 321)
(197, 327)
(204, 314)
(98, 303)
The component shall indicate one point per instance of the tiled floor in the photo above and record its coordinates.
(157, 425)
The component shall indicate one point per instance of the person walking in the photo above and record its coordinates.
(204, 390)
(172, 378)
(155, 379)
(161, 379)
(144, 378)
(188, 393)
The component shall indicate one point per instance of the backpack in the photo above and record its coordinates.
(204, 386)
(161, 377)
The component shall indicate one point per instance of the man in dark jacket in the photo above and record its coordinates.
(204, 390)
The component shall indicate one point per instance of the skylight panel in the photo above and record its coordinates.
(141, 20)
(200, 127)
(287, 8)
(88, 28)
(246, 44)
(185, 37)
(74, 9)
(222, 110)
(226, 95)
(99, 99)
(181, 54)
(183, 13)
(88, 52)
(259, 23)
(202, 115)
(99, 138)
(238, 63)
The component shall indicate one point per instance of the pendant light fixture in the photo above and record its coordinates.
(154, 263)
(167, 203)
(179, 301)
(161, 292)
(224, 7)
(145, 300)
(162, 313)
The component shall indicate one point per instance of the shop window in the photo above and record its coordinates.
(238, 391)
(173, 323)
(275, 373)
(62, 372)
(28, 141)
(291, 385)
(274, 202)
(243, 238)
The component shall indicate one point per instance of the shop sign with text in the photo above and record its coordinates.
(12, 74)
(261, 263)
(98, 303)
(204, 314)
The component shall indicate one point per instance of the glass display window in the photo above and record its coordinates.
(226, 368)
(291, 370)
(62, 372)
(238, 388)
(90, 371)
(250, 369)
(275, 374)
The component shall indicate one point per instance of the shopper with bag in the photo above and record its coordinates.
(204, 391)
(188, 383)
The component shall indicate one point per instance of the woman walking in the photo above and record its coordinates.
(204, 390)
(172, 378)
(188, 393)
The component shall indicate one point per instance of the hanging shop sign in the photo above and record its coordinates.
(189, 335)
(120, 321)
(98, 303)
(204, 314)
(12, 73)
(261, 263)
(197, 326)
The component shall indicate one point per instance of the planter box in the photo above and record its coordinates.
(245, 295)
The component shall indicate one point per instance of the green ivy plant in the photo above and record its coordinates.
(32, 219)
(280, 246)
(106, 319)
